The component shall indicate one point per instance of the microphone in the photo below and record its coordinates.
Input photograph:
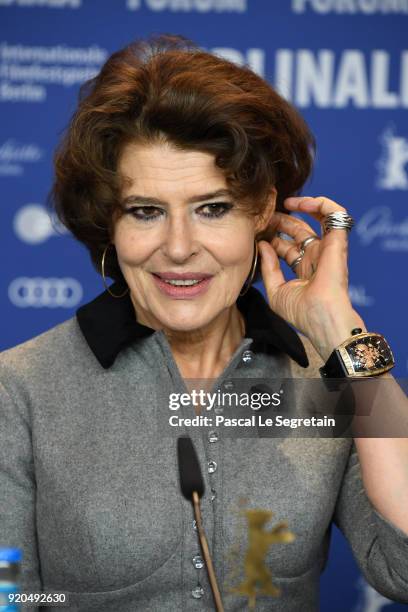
(192, 488)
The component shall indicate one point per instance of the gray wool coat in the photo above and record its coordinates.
(89, 480)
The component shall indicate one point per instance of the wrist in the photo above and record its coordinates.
(333, 329)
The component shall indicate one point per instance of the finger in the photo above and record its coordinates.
(272, 274)
(297, 229)
(317, 207)
(333, 264)
(300, 231)
(334, 244)
(286, 249)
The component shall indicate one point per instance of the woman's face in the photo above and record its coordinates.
(180, 219)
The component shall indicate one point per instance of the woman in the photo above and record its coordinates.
(177, 173)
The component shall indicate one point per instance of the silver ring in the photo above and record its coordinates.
(305, 242)
(337, 220)
(296, 262)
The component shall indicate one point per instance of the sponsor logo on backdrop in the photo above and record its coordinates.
(183, 6)
(32, 224)
(74, 4)
(378, 225)
(331, 79)
(351, 7)
(27, 72)
(359, 297)
(38, 292)
(14, 155)
(370, 600)
(393, 164)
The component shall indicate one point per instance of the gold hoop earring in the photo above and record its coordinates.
(104, 279)
(250, 278)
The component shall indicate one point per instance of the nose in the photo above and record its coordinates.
(179, 241)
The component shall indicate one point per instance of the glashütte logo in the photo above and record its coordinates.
(13, 156)
(378, 224)
(393, 164)
(33, 224)
(38, 292)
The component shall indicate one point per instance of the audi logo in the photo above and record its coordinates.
(40, 292)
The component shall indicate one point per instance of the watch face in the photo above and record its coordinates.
(369, 353)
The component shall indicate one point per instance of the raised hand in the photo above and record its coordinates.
(317, 302)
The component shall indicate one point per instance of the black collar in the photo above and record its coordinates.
(109, 325)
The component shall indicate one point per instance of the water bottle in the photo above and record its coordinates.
(10, 559)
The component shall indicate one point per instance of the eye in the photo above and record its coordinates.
(144, 213)
(215, 209)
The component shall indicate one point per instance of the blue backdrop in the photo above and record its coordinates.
(341, 62)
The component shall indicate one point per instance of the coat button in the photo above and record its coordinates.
(247, 356)
(198, 562)
(213, 436)
(212, 467)
(228, 385)
(197, 592)
(213, 495)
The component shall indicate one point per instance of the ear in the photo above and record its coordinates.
(263, 221)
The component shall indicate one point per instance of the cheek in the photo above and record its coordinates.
(132, 249)
(234, 249)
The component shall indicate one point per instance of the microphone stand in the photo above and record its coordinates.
(192, 488)
(206, 554)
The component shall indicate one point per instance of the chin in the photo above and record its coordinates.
(183, 325)
(182, 318)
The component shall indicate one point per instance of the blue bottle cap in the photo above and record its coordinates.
(13, 555)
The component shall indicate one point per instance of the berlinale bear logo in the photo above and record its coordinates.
(394, 160)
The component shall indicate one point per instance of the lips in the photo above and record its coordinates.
(182, 275)
(182, 291)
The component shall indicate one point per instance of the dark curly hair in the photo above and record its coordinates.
(166, 89)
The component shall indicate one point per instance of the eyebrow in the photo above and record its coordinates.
(149, 201)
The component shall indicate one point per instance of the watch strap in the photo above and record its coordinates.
(333, 368)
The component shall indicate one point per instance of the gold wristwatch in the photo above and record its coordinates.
(364, 354)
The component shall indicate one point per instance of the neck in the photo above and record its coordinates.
(204, 353)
